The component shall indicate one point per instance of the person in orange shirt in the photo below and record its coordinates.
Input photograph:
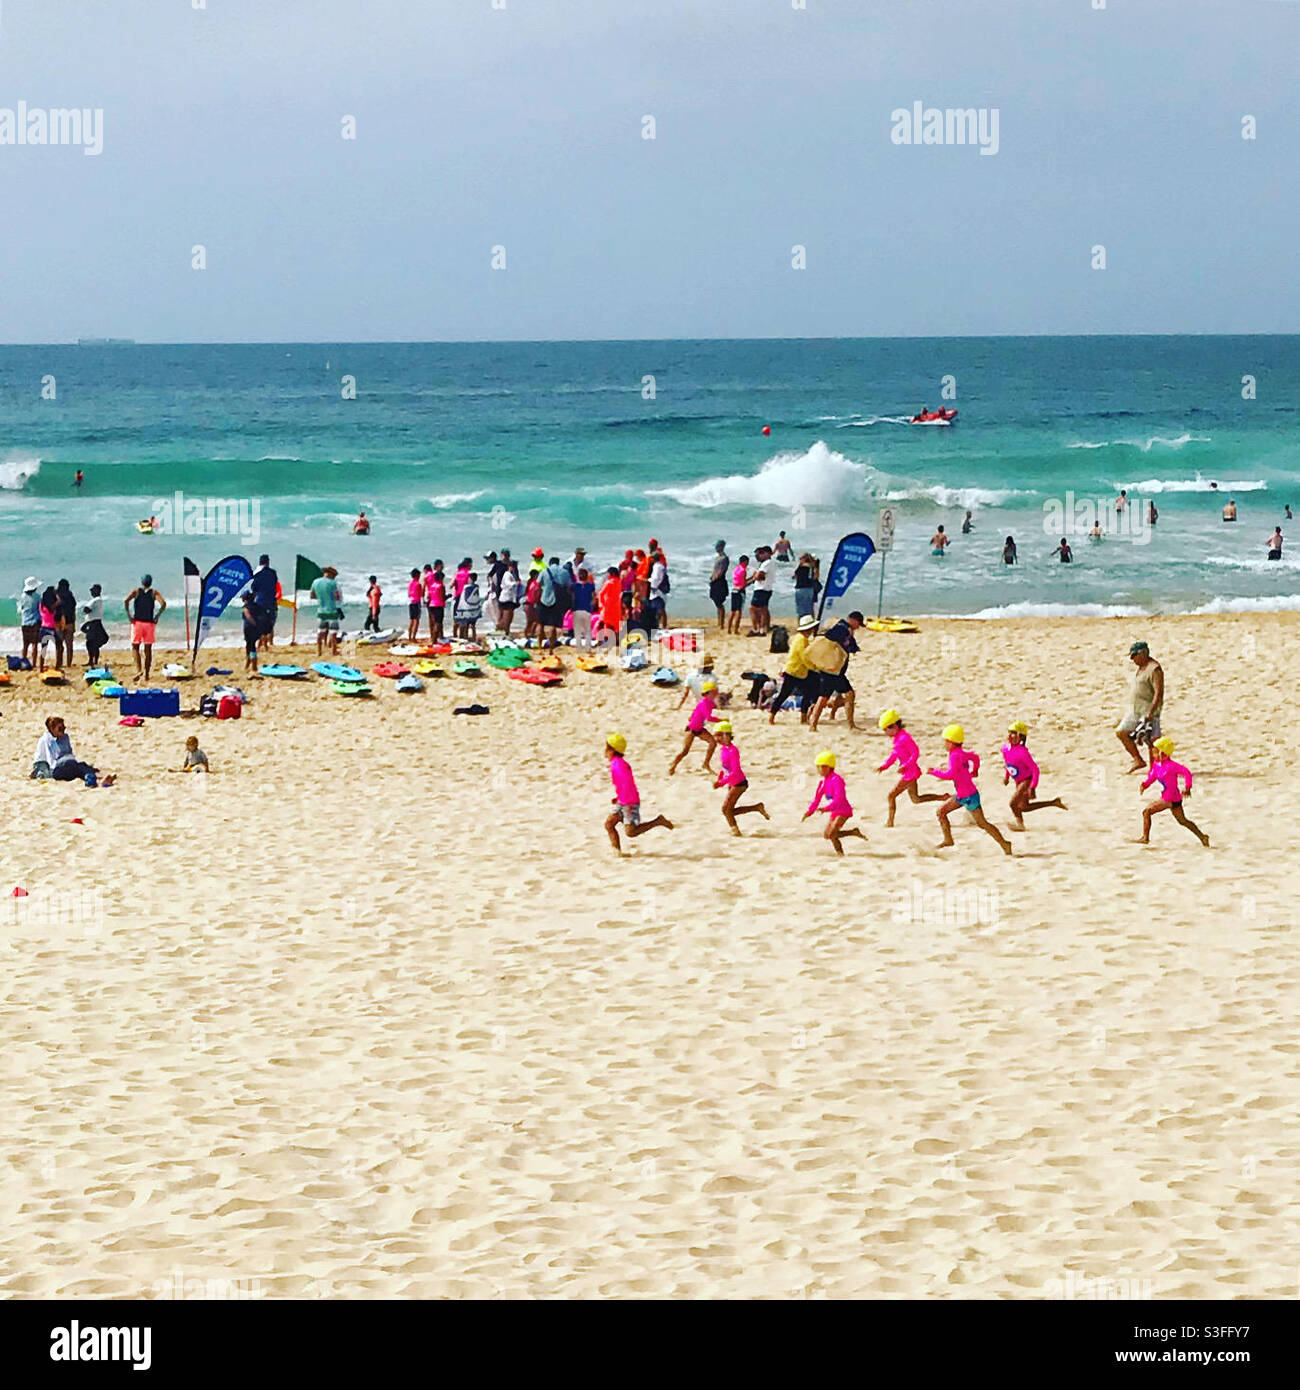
(610, 603)
(642, 566)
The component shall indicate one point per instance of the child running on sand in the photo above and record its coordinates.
(907, 755)
(733, 778)
(1023, 771)
(626, 798)
(1167, 772)
(962, 769)
(696, 726)
(831, 790)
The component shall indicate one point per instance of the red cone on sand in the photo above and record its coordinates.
(76, 820)
(20, 893)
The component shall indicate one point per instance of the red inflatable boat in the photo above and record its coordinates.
(935, 417)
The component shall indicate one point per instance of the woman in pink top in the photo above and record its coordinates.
(626, 798)
(733, 778)
(906, 754)
(830, 789)
(435, 599)
(414, 602)
(962, 769)
(697, 726)
(1169, 774)
(1023, 771)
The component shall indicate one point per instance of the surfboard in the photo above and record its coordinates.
(391, 669)
(890, 625)
(467, 668)
(428, 668)
(283, 672)
(591, 663)
(53, 678)
(98, 673)
(336, 671)
(350, 688)
(530, 675)
(368, 639)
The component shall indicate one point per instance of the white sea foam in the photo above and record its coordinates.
(1154, 486)
(966, 497)
(454, 499)
(16, 470)
(1257, 565)
(1272, 603)
(1156, 441)
(819, 477)
(1029, 609)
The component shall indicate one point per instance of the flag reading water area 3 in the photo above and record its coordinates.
(222, 582)
(851, 554)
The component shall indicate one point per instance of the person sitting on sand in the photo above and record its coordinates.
(626, 799)
(196, 760)
(1142, 723)
(1230, 510)
(55, 758)
(1275, 544)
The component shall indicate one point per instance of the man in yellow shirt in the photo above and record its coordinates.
(794, 680)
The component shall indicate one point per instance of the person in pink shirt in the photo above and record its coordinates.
(733, 778)
(907, 755)
(962, 769)
(414, 604)
(1170, 775)
(740, 581)
(1023, 771)
(626, 798)
(461, 579)
(697, 726)
(435, 600)
(830, 789)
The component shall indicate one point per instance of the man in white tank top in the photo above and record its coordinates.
(1142, 723)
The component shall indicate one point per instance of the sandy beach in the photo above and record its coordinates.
(374, 1010)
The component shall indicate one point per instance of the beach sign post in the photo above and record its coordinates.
(884, 544)
(851, 554)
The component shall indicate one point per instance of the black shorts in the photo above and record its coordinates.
(718, 592)
(738, 600)
(761, 598)
(412, 610)
(31, 634)
(550, 614)
(830, 683)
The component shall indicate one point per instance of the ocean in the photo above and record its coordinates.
(454, 449)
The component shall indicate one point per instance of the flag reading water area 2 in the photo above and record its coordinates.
(222, 582)
(850, 555)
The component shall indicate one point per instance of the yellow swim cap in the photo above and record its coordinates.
(1164, 745)
(888, 717)
(826, 758)
(708, 687)
(1017, 726)
(723, 726)
(617, 742)
(954, 733)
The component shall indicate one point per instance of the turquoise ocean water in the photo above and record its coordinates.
(459, 448)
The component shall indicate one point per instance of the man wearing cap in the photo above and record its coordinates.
(538, 563)
(1142, 723)
(794, 679)
(718, 582)
(144, 606)
(29, 616)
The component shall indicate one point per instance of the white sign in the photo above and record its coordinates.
(885, 530)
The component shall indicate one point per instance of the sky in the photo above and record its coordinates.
(521, 126)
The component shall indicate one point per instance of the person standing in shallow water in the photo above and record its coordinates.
(1009, 551)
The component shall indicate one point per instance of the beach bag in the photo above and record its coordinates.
(229, 707)
(780, 639)
(826, 656)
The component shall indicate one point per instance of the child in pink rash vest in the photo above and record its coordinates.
(697, 726)
(906, 754)
(1023, 771)
(962, 769)
(733, 778)
(626, 799)
(1170, 775)
(831, 790)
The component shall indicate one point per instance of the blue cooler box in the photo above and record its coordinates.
(150, 703)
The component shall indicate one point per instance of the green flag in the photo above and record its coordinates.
(305, 573)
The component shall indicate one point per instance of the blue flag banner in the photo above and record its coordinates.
(222, 582)
(850, 555)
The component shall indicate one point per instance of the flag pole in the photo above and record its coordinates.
(293, 636)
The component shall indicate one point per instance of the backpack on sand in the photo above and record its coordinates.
(780, 639)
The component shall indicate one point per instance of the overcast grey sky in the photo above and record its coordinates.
(522, 127)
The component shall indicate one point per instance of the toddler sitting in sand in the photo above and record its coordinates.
(196, 760)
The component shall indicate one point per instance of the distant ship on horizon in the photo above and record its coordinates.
(105, 342)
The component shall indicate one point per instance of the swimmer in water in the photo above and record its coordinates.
(733, 778)
(626, 798)
(962, 769)
(1168, 773)
(1023, 771)
(967, 525)
(697, 725)
(1096, 533)
(939, 541)
(906, 754)
(1063, 551)
(831, 790)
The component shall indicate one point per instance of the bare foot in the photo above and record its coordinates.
(1138, 767)
(1140, 841)
(762, 811)
(1006, 847)
(735, 830)
(945, 844)
(1011, 825)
